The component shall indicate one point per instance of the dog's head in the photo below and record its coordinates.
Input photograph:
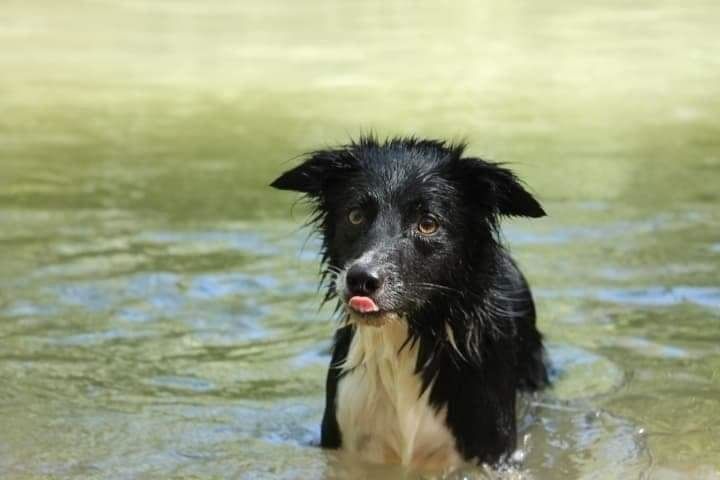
(405, 222)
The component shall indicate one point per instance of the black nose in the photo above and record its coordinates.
(362, 280)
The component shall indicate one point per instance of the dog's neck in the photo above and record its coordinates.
(383, 410)
(388, 346)
(375, 344)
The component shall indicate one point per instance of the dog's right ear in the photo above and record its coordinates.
(305, 178)
(313, 175)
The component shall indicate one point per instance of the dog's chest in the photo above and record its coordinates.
(383, 416)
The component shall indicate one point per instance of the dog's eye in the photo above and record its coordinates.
(428, 226)
(356, 216)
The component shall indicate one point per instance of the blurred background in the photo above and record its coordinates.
(158, 304)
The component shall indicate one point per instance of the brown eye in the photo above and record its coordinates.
(356, 216)
(428, 226)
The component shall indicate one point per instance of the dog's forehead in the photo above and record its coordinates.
(399, 179)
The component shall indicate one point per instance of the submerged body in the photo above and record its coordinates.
(438, 333)
(466, 413)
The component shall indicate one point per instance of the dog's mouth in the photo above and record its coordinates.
(363, 305)
(365, 311)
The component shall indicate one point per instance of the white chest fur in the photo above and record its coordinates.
(381, 414)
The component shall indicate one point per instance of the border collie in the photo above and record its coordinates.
(437, 334)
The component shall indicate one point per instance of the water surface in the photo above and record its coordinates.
(158, 304)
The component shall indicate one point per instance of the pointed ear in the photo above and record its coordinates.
(314, 174)
(305, 178)
(504, 193)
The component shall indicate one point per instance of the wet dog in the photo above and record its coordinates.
(437, 334)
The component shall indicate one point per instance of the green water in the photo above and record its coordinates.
(158, 303)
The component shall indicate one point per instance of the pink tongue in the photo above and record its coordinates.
(363, 304)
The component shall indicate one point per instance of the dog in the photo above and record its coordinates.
(437, 334)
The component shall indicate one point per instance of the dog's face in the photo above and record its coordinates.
(404, 222)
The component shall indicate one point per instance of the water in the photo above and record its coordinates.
(158, 303)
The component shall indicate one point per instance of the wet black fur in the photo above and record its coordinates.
(461, 275)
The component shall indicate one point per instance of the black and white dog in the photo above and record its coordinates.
(438, 333)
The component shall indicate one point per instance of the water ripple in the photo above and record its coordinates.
(655, 296)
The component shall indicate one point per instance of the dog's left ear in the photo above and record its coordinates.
(504, 192)
(313, 175)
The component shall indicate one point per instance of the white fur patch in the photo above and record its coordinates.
(381, 414)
